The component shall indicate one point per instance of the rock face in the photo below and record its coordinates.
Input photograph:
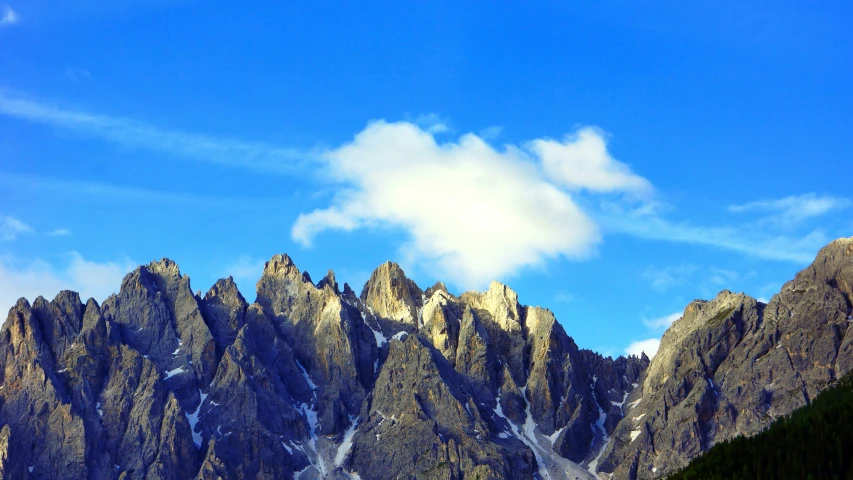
(312, 381)
(732, 365)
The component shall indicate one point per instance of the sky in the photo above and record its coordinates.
(611, 161)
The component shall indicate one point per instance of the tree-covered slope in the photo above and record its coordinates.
(814, 442)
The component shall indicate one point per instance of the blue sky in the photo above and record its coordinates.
(611, 161)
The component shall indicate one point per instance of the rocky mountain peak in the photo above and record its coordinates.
(698, 315)
(391, 295)
(158, 382)
(225, 288)
(281, 265)
(502, 304)
(329, 280)
(164, 267)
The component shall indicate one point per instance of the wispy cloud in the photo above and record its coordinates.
(472, 212)
(431, 122)
(662, 279)
(38, 277)
(60, 232)
(662, 322)
(791, 248)
(78, 75)
(11, 227)
(126, 193)
(9, 17)
(649, 347)
(793, 209)
(564, 298)
(245, 271)
(258, 157)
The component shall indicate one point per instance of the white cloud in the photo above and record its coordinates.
(11, 227)
(662, 322)
(753, 242)
(491, 133)
(473, 213)
(581, 161)
(432, 123)
(649, 346)
(795, 208)
(60, 232)
(135, 134)
(9, 17)
(90, 279)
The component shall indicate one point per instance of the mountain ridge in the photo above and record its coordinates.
(312, 381)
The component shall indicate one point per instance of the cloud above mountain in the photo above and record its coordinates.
(473, 213)
(39, 277)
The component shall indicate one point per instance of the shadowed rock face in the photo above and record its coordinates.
(311, 381)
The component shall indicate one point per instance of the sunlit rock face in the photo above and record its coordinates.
(314, 381)
(732, 365)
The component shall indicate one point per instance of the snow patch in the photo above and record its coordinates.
(311, 384)
(193, 419)
(346, 445)
(172, 373)
(399, 336)
(635, 434)
(379, 337)
(554, 436)
(297, 475)
(599, 424)
(551, 465)
(313, 423)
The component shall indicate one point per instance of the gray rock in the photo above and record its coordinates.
(315, 382)
(731, 366)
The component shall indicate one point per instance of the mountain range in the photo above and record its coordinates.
(313, 380)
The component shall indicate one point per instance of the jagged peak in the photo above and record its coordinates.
(329, 280)
(438, 287)
(281, 265)
(386, 272)
(348, 291)
(501, 302)
(842, 241)
(390, 294)
(224, 287)
(165, 267)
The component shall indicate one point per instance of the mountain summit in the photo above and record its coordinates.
(312, 381)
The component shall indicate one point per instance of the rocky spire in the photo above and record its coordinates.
(389, 294)
(329, 280)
